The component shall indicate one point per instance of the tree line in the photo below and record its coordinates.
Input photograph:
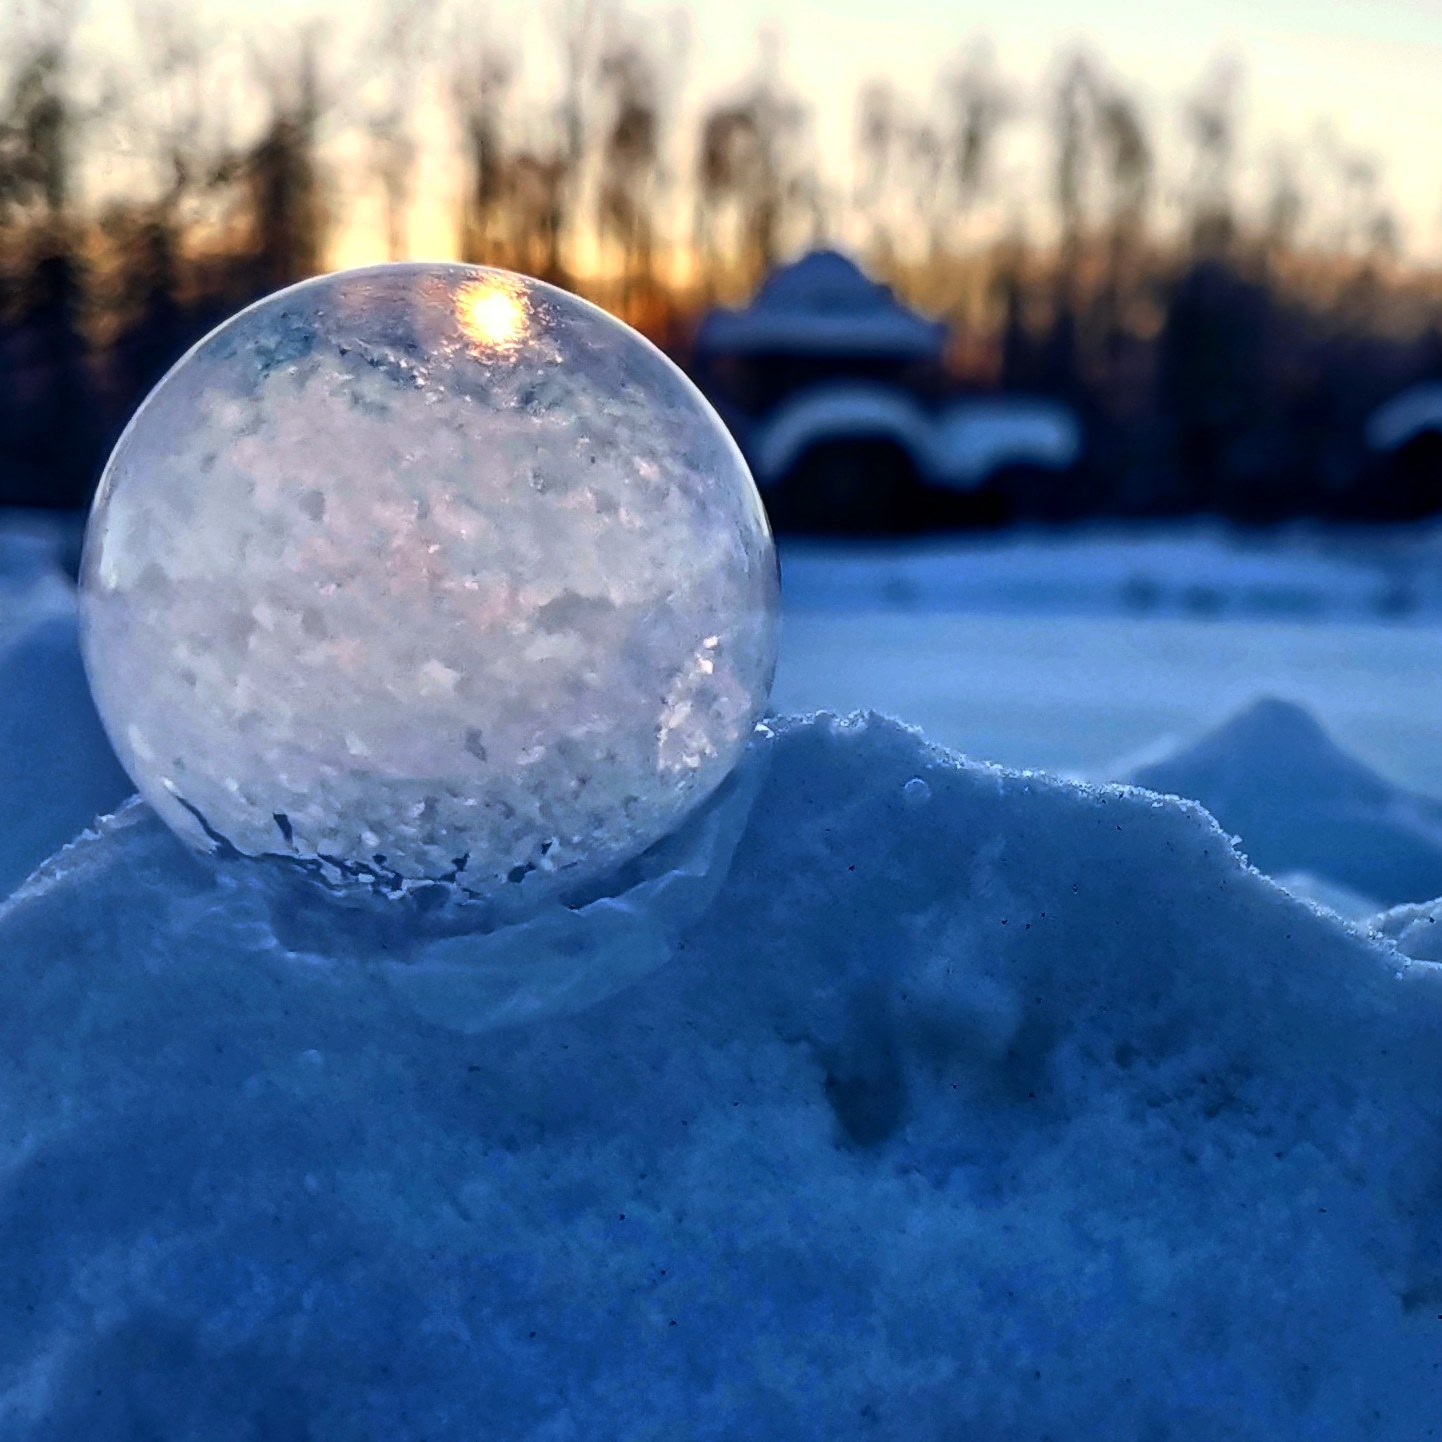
(1223, 348)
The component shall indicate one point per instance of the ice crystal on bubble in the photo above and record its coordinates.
(428, 573)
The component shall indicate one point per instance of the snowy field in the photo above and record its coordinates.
(1086, 695)
(926, 1100)
(1078, 656)
(1094, 655)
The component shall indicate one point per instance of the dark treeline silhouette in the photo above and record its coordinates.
(1223, 358)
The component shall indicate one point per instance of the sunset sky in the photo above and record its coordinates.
(1373, 68)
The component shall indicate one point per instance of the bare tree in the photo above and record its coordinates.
(1211, 118)
(750, 173)
(1283, 210)
(40, 120)
(978, 104)
(478, 89)
(1128, 168)
(401, 46)
(281, 174)
(902, 185)
(48, 429)
(174, 117)
(1072, 104)
(1073, 118)
(582, 25)
(629, 163)
(535, 208)
(878, 137)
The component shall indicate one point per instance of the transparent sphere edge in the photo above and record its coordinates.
(428, 573)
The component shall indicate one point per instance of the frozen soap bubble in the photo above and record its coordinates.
(428, 573)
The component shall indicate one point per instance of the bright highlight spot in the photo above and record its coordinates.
(492, 313)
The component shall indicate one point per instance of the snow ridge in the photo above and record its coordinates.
(1301, 804)
(989, 1107)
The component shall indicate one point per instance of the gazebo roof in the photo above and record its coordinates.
(1405, 416)
(823, 304)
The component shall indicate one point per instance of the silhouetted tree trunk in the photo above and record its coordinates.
(282, 173)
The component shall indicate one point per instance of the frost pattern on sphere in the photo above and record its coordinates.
(428, 572)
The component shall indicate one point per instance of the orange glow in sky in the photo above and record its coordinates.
(1361, 73)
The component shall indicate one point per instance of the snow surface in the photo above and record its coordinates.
(1413, 928)
(33, 581)
(978, 1105)
(1330, 895)
(841, 410)
(978, 437)
(1196, 570)
(1300, 804)
(57, 771)
(1022, 651)
(1076, 650)
(1084, 696)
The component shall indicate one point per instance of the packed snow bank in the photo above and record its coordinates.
(35, 551)
(57, 771)
(978, 1105)
(1301, 804)
(1329, 895)
(1415, 929)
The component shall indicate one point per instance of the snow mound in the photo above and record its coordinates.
(1415, 929)
(34, 550)
(57, 771)
(1329, 895)
(1299, 803)
(977, 1105)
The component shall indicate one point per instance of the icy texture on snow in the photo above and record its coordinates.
(1415, 929)
(550, 959)
(985, 1107)
(428, 572)
(1300, 804)
(1329, 895)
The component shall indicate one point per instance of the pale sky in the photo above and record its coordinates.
(1373, 68)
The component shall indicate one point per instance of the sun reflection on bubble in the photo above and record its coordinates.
(493, 314)
(406, 614)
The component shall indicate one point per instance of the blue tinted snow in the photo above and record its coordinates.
(1022, 1111)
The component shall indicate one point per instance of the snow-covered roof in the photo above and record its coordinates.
(959, 447)
(977, 438)
(1405, 416)
(823, 304)
(835, 412)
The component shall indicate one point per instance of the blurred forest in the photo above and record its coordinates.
(1222, 353)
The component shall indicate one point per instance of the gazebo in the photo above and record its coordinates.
(839, 395)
